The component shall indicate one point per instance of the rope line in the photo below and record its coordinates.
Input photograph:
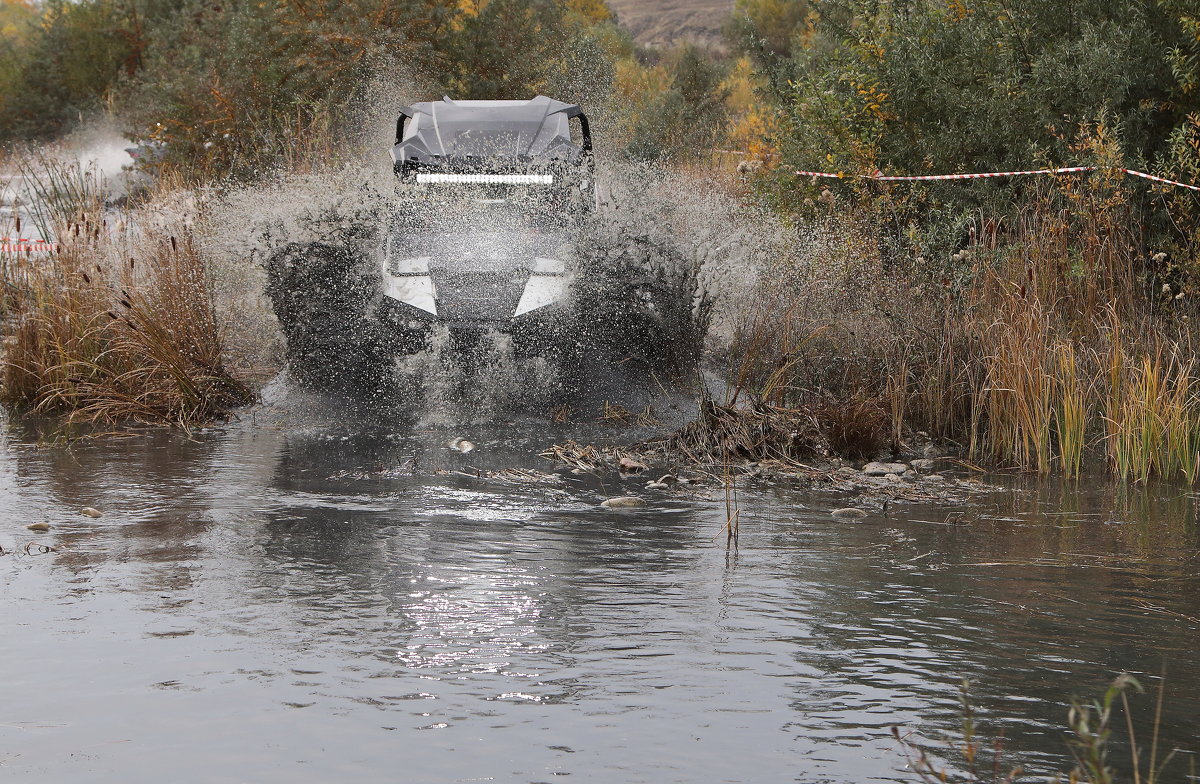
(881, 177)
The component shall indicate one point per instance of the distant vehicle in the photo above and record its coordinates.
(147, 152)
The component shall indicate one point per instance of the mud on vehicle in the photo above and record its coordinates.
(483, 238)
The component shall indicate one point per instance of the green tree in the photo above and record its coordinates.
(976, 84)
(64, 65)
(505, 51)
(767, 29)
(688, 117)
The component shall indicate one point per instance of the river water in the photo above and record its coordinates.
(275, 600)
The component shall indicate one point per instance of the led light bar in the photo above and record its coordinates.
(430, 178)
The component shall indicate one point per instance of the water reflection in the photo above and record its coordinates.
(275, 602)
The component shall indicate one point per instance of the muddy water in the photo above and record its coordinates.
(273, 601)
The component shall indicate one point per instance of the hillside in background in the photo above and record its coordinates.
(667, 22)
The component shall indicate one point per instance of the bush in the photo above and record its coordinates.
(102, 336)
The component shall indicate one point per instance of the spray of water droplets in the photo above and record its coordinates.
(660, 269)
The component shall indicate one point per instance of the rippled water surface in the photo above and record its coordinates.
(269, 602)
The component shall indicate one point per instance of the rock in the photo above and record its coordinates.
(847, 471)
(462, 445)
(623, 502)
(630, 466)
(935, 478)
(850, 513)
(38, 526)
(883, 469)
(892, 478)
(90, 512)
(657, 486)
(925, 464)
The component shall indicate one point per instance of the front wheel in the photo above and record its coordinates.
(326, 299)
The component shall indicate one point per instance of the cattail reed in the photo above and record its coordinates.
(72, 354)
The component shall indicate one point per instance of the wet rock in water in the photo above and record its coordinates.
(924, 464)
(623, 502)
(90, 511)
(884, 469)
(630, 466)
(849, 513)
(38, 526)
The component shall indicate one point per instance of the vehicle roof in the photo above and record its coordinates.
(438, 132)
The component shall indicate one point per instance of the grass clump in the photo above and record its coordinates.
(1049, 342)
(1090, 739)
(118, 324)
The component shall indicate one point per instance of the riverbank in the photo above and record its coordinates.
(1042, 348)
(1054, 342)
(732, 448)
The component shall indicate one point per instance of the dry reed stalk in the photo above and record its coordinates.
(1154, 417)
(1046, 322)
(1017, 400)
(116, 327)
(1049, 351)
(1071, 412)
(1182, 426)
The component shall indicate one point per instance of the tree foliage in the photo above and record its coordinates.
(975, 84)
(232, 87)
(61, 58)
(674, 109)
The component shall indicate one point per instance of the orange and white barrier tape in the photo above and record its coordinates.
(880, 176)
(830, 175)
(1160, 179)
(23, 245)
(982, 175)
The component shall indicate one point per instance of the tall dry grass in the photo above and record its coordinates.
(1073, 348)
(1052, 341)
(118, 324)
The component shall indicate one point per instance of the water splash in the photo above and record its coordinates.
(661, 265)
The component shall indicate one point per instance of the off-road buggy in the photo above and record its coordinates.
(480, 242)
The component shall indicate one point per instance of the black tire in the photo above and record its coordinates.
(634, 299)
(327, 300)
